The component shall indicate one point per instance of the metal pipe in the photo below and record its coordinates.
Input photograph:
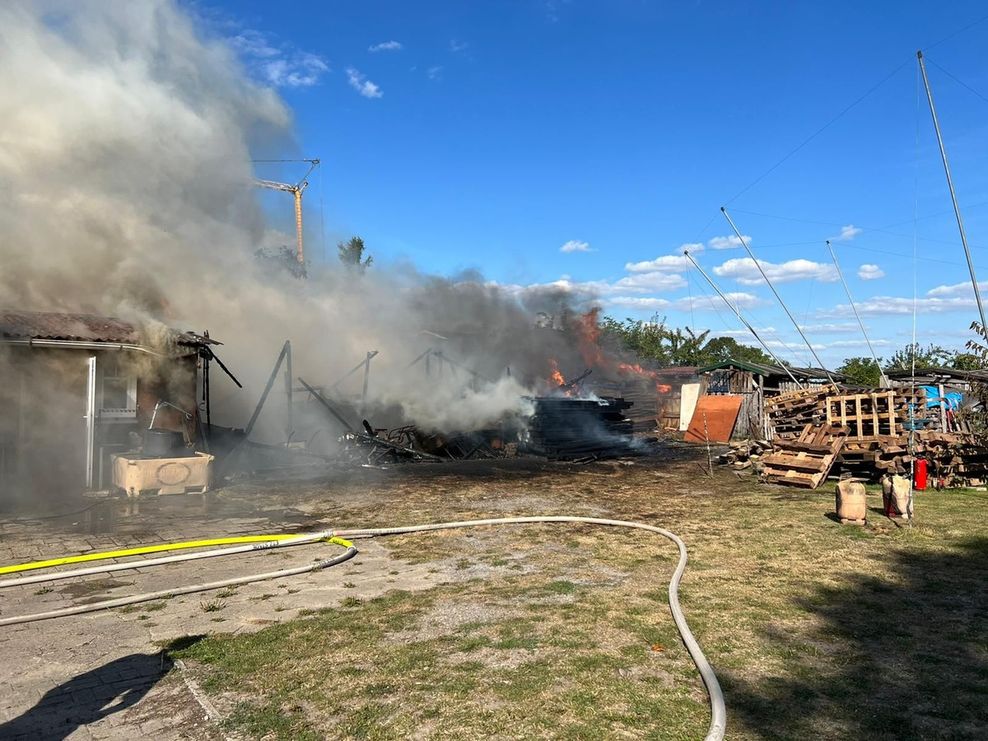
(363, 394)
(90, 420)
(326, 405)
(289, 410)
(881, 374)
(285, 349)
(950, 187)
(737, 313)
(744, 243)
(82, 345)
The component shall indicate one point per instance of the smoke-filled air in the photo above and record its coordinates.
(126, 189)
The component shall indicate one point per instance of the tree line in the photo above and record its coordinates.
(668, 346)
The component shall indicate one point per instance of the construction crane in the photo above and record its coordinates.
(296, 190)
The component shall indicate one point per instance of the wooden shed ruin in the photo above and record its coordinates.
(76, 388)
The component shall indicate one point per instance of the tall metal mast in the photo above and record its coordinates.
(782, 303)
(950, 186)
(881, 373)
(737, 313)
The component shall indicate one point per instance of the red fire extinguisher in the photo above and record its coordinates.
(919, 475)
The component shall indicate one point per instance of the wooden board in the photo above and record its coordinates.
(721, 412)
(687, 404)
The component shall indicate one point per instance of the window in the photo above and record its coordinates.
(118, 390)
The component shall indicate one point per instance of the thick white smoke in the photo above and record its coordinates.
(126, 138)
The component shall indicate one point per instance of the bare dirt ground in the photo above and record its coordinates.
(816, 630)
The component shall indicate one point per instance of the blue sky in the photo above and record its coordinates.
(489, 135)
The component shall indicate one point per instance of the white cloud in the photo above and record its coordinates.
(745, 272)
(664, 263)
(763, 331)
(433, 73)
(697, 303)
(957, 289)
(254, 44)
(278, 65)
(361, 84)
(637, 302)
(385, 46)
(900, 305)
(690, 247)
(575, 245)
(830, 328)
(728, 243)
(649, 283)
(868, 271)
(847, 233)
(859, 343)
(458, 46)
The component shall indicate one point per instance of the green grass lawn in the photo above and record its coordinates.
(816, 630)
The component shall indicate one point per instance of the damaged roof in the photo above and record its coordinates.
(33, 325)
(762, 369)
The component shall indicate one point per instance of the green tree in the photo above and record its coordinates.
(687, 348)
(932, 356)
(720, 349)
(861, 372)
(351, 254)
(281, 258)
(647, 340)
(654, 341)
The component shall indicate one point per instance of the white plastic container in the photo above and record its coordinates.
(136, 475)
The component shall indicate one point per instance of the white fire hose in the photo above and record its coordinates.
(718, 710)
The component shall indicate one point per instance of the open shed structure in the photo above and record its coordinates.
(755, 382)
(75, 388)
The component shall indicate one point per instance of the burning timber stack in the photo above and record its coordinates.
(862, 436)
(565, 428)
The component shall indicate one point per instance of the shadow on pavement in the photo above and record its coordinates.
(89, 697)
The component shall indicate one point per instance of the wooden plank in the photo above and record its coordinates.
(721, 412)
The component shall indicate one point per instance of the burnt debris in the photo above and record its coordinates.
(564, 428)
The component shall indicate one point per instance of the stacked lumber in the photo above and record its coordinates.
(744, 453)
(806, 460)
(956, 458)
(563, 428)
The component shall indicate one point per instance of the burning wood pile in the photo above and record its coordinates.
(866, 435)
(565, 428)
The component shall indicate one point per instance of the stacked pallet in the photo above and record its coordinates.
(572, 429)
(806, 460)
(789, 413)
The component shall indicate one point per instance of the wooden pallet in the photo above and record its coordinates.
(807, 460)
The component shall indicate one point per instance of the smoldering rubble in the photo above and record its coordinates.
(127, 181)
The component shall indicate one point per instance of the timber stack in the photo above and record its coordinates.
(564, 428)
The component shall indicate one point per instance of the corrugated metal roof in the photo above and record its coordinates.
(30, 325)
(965, 375)
(762, 369)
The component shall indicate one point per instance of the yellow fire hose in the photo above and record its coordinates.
(160, 547)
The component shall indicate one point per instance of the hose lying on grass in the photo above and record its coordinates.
(718, 710)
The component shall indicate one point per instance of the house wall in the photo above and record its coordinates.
(43, 403)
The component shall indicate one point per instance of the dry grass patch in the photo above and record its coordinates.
(816, 630)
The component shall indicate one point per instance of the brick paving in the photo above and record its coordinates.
(103, 675)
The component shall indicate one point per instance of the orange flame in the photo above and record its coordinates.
(588, 336)
(555, 375)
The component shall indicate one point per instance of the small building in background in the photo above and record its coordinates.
(753, 383)
(76, 388)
